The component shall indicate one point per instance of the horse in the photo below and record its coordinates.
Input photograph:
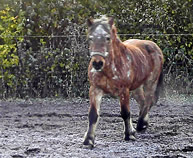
(122, 69)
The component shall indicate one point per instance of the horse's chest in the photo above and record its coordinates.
(112, 86)
(112, 83)
(115, 87)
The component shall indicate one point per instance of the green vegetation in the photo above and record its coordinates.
(44, 51)
(10, 28)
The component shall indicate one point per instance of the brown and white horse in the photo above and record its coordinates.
(117, 68)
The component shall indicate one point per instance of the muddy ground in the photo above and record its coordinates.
(43, 128)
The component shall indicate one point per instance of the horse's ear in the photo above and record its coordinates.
(111, 21)
(90, 22)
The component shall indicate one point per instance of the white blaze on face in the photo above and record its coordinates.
(99, 31)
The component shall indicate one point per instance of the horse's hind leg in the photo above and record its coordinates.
(143, 120)
(146, 98)
(95, 100)
(126, 115)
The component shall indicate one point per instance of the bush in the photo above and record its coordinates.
(44, 51)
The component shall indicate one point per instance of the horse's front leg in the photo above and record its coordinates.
(126, 115)
(95, 95)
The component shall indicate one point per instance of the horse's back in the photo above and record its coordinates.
(148, 48)
(146, 45)
(152, 60)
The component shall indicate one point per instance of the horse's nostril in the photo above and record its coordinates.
(100, 63)
(97, 65)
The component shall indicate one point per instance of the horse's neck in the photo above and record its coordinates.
(117, 50)
(114, 61)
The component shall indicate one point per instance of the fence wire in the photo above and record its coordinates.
(57, 65)
(84, 35)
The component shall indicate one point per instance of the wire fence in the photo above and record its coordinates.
(57, 65)
(84, 35)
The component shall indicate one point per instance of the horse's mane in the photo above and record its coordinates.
(114, 33)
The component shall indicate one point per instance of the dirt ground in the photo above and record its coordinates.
(54, 128)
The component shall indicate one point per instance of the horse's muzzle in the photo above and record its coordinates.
(98, 59)
(97, 65)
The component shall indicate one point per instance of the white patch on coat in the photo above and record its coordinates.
(98, 99)
(128, 58)
(146, 118)
(115, 77)
(128, 74)
(108, 87)
(106, 54)
(114, 69)
(132, 129)
(93, 70)
(130, 125)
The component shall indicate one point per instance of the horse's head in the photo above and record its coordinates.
(99, 35)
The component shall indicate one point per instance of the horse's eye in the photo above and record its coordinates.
(90, 38)
(108, 38)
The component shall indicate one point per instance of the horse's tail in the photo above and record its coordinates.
(160, 87)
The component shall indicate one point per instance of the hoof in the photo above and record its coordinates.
(141, 129)
(88, 143)
(130, 137)
(142, 125)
